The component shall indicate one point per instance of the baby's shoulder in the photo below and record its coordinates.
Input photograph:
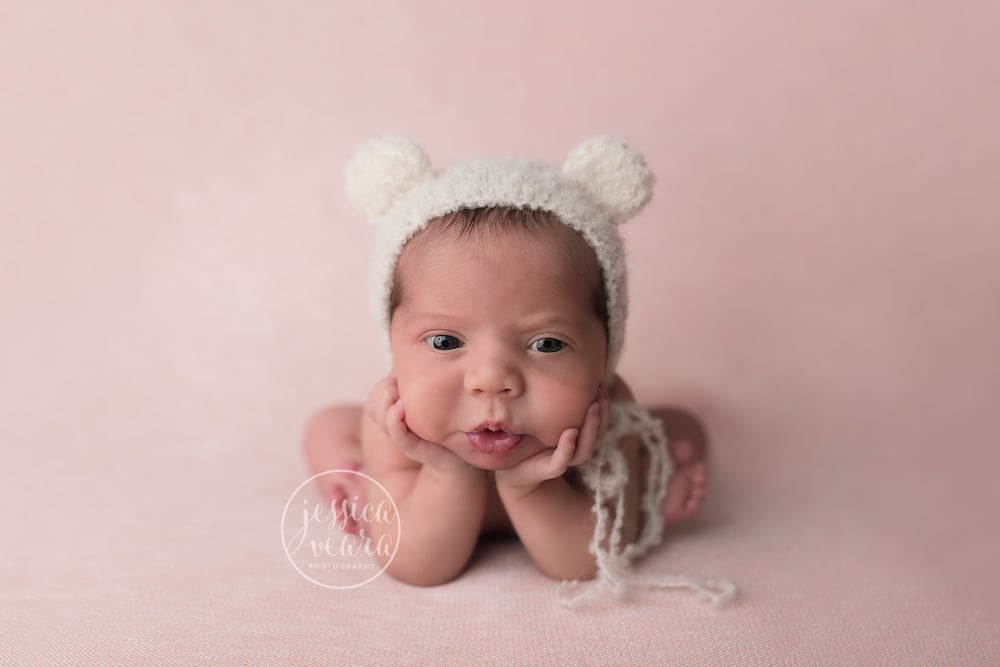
(619, 391)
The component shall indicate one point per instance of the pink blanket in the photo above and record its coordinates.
(182, 285)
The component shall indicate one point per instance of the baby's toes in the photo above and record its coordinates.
(693, 506)
(347, 502)
(698, 478)
(698, 474)
(675, 504)
(695, 499)
(682, 452)
(685, 493)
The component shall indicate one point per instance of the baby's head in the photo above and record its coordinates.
(488, 231)
(501, 286)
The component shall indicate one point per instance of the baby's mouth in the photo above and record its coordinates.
(492, 439)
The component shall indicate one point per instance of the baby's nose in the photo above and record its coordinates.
(492, 375)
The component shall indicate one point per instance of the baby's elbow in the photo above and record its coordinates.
(420, 574)
(423, 578)
(583, 570)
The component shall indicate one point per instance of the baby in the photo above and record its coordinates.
(500, 285)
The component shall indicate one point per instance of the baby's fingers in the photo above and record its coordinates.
(397, 429)
(604, 401)
(384, 395)
(562, 457)
(589, 434)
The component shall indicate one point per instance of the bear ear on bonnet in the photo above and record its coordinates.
(613, 174)
(382, 170)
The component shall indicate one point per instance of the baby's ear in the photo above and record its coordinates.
(381, 171)
(613, 174)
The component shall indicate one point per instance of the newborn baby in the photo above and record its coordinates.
(501, 287)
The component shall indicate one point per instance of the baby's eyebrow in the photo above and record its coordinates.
(533, 322)
(545, 320)
(414, 319)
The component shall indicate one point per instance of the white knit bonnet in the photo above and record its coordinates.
(602, 184)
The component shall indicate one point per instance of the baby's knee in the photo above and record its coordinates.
(332, 423)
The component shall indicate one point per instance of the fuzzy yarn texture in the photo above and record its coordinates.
(602, 183)
(607, 475)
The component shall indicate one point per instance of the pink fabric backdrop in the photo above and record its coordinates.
(182, 284)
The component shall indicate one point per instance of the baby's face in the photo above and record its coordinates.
(498, 331)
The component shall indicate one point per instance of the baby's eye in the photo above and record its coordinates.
(443, 342)
(547, 345)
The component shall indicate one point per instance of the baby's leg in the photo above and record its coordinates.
(688, 446)
(332, 441)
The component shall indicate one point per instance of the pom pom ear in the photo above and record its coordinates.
(613, 174)
(382, 170)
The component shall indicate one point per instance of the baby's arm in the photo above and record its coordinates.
(554, 519)
(440, 506)
(555, 523)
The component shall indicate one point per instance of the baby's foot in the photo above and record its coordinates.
(332, 442)
(686, 489)
(687, 446)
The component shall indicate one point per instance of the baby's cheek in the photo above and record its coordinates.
(420, 409)
(563, 412)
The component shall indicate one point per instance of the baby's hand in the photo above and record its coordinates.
(386, 409)
(381, 398)
(575, 447)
